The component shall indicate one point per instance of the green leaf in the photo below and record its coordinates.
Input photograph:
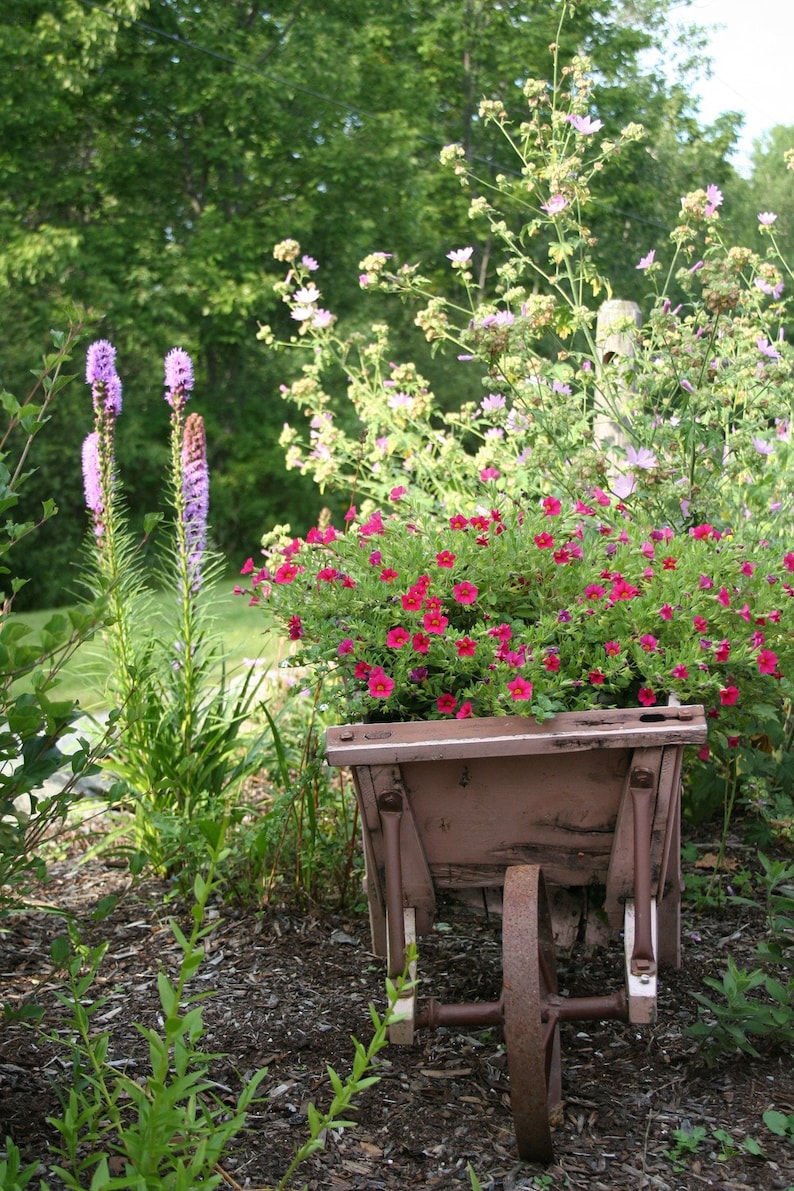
(60, 950)
(104, 907)
(778, 1122)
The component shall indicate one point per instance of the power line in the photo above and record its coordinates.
(187, 44)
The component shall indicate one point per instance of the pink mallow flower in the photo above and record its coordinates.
(556, 204)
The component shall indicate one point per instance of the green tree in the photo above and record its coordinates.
(166, 146)
(770, 187)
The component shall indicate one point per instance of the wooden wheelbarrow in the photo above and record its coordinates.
(583, 800)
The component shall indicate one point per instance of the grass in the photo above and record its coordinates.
(242, 632)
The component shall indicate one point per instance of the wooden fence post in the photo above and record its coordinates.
(616, 344)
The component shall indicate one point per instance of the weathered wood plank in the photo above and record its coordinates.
(418, 890)
(570, 731)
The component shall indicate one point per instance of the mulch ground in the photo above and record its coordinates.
(290, 988)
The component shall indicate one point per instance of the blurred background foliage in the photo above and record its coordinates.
(153, 151)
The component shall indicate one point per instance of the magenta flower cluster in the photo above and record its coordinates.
(562, 606)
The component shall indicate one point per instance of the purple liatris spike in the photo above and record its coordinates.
(92, 481)
(100, 362)
(101, 375)
(195, 494)
(178, 377)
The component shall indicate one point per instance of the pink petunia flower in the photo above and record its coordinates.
(465, 592)
(466, 647)
(434, 622)
(722, 651)
(379, 684)
(767, 661)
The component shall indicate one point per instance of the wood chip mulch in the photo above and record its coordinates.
(289, 989)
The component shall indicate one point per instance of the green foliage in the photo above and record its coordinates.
(170, 1129)
(780, 1123)
(681, 426)
(776, 901)
(13, 1176)
(300, 835)
(181, 755)
(729, 1147)
(541, 608)
(689, 1139)
(33, 719)
(168, 143)
(754, 1004)
(686, 1141)
(357, 1081)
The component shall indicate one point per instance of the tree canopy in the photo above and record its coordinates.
(153, 151)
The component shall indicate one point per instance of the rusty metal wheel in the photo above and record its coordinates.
(532, 1033)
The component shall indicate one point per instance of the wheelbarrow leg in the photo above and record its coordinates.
(531, 1026)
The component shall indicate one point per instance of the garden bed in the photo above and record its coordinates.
(289, 990)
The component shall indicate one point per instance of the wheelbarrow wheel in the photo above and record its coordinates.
(532, 1035)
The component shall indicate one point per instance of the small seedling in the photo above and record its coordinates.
(687, 1141)
(729, 1147)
